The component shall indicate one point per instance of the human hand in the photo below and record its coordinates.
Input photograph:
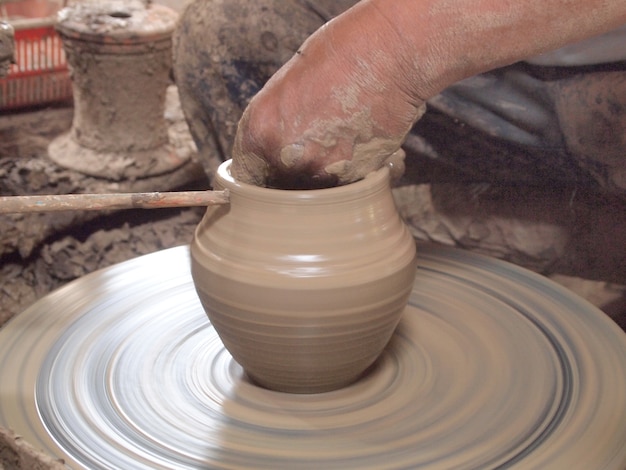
(335, 112)
(346, 101)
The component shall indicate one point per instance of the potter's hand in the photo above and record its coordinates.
(335, 112)
(346, 101)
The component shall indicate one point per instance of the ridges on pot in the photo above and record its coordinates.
(305, 288)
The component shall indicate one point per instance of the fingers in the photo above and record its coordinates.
(332, 114)
(326, 153)
(249, 168)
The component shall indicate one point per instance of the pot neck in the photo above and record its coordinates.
(373, 183)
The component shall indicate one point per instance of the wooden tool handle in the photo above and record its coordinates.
(96, 202)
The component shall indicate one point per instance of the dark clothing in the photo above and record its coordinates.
(534, 125)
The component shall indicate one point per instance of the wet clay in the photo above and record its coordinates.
(306, 287)
(490, 366)
(371, 155)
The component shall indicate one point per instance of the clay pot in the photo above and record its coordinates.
(305, 288)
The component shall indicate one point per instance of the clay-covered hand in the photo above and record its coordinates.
(335, 112)
(346, 101)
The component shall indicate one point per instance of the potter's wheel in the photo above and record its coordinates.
(491, 367)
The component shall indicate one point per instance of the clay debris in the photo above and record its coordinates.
(42, 251)
(17, 454)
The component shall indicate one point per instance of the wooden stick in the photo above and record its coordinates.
(97, 202)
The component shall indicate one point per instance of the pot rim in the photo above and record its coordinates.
(373, 182)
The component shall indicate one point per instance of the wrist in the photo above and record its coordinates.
(438, 43)
(368, 36)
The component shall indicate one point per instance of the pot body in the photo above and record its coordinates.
(304, 288)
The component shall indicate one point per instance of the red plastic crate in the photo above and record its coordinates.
(40, 75)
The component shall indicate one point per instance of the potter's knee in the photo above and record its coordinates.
(248, 27)
(592, 113)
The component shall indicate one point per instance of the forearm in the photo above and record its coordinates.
(444, 41)
(346, 101)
